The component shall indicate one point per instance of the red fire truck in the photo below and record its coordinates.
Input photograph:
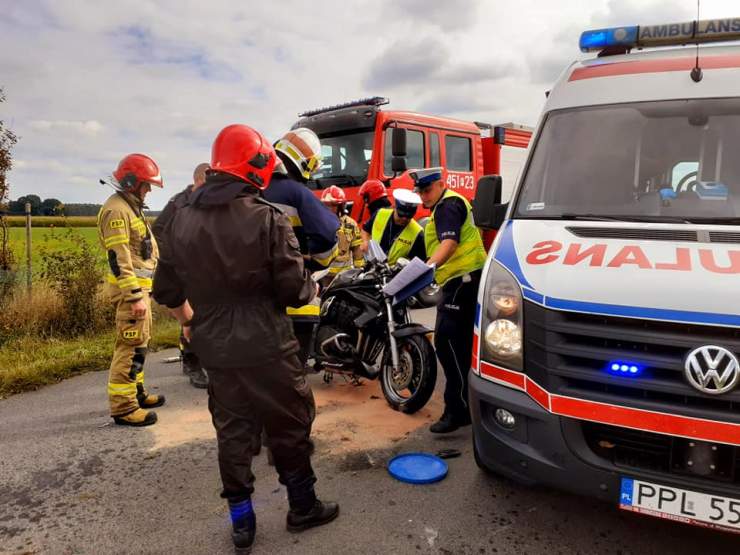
(357, 144)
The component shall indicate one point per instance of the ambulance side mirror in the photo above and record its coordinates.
(398, 148)
(488, 212)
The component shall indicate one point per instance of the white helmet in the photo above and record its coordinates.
(303, 148)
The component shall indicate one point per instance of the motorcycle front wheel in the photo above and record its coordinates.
(409, 388)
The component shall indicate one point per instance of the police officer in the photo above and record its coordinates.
(395, 230)
(191, 366)
(132, 255)
(299, 157)
(455, 248)
(235, 258)
(349, 240)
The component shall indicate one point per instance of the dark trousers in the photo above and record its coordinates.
(453, 339)
(190, 361)
(277, 395)
(303, 331)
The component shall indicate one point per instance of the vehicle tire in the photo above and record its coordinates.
(412, 387)
(478, 462)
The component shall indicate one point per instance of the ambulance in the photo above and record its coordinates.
(607, 337)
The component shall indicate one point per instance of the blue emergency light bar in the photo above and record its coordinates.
(624, 368)
(671, 34)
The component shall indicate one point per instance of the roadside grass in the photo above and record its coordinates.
(29, 362)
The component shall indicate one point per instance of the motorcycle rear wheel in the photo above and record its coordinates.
(409, 389)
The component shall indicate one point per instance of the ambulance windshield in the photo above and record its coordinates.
(673, 161)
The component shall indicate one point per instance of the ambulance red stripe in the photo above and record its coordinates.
(637, 419)
(611, 69)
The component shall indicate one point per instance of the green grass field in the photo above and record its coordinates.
(50, 239)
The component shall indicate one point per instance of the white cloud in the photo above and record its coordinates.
(90, 127)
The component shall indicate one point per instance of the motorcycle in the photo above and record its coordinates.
(365, 332)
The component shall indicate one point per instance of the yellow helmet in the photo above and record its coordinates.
(303, 148)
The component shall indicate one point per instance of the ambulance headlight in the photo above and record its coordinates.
(504, 338)
(501, 324)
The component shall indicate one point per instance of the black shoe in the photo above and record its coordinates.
(243, 539)
(198, 379)
(321, 513)
(244, 527)
(449, 423)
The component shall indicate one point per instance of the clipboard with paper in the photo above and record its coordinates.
(414, 277)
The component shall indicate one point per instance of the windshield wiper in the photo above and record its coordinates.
(625, 218)
(723, 220)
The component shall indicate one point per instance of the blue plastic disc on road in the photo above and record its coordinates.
(417, 468)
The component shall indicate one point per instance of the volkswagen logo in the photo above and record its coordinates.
(711, 369)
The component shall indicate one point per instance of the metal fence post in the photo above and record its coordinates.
(28, 246)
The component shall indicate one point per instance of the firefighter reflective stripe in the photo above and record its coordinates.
(138, 225)
(114, 240)
(359, 262)
(325, 258)
(140, 377)
(131, 282)
(125, 389)
(306, 310)
(402, 245)
(291, 212)
(470, 254)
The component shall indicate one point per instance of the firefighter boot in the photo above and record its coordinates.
(198, 378)
(244, 525)
(150, 401)
(318, 514)
(137, 418)
(306, 511)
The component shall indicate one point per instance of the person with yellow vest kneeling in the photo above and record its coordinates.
(456, 250)
(395, 230)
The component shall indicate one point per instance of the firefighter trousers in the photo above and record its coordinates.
(126, 375)
(240, 400)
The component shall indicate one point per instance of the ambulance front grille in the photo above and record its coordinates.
(634, 449)
(569, 354)
(639, 234)
(724, 237)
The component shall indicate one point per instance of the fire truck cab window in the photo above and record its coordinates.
(345, 158)
(434, 157)
(457, 153)
(414, 150)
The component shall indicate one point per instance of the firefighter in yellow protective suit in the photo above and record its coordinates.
(132, 255)
(349, 239)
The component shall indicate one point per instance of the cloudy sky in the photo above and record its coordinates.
(89, 81)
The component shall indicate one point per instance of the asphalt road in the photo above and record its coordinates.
(71, 483)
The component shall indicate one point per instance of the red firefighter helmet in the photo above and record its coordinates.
(333, 195)
(372, 190)
(243, 152)
(135, 169)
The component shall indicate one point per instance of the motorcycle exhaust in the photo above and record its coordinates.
(348, 356)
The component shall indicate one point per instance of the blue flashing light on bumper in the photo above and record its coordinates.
(624, 368)
(599, 39)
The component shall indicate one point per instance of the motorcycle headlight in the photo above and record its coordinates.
(502, 319)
